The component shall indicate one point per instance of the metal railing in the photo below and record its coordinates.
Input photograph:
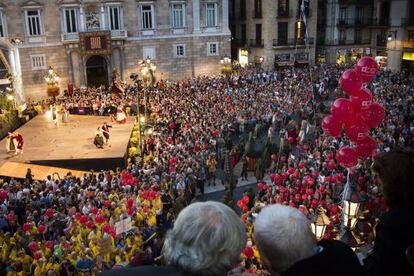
(284, 12)
(380, 22)
(70, 37)
(257, 14)
(407, 21)
(354, 22)
(259, 43)
(292, 42)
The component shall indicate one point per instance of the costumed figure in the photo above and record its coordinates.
(65, 115)
(15, 143)
(53, 110)
(98, 141)
(120, 116)
(105, 132)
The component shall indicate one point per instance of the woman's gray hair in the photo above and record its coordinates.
(207, 239)
(283, 236)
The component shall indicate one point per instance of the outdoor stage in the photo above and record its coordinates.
(70, 145)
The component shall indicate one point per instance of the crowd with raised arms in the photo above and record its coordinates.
(65, 225)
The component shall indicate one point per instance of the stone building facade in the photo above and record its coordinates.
(344, 30)
(272, 33)
(84, 40)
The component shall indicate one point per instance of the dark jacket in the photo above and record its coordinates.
(336, 258)
(147, 271)
(395, 233)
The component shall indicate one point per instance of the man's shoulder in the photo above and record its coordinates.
(147, 270)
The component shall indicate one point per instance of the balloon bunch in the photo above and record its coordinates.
(128, 179)
(149, 195)
(242, 203)
(356, 115)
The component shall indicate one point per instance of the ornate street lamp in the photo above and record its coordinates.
(226, 65)
(52, 80)
(148, 71)
(319, 223)
(351, 204)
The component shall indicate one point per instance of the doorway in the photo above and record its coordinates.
(97, 71)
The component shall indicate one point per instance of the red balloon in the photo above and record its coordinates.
(49, 213)
(33, 246)
(361, 100)
(273, 157)
(107, 203)
(248, 252)
(277, 177)
(4, 194)
(342, 110)
(373, 115)
(260, 186)
(350, 82)
(99, 219)
(94, 210)
(301, 165)
(366, 68)
(27, 227)
(90, 224)
(37, 255)
(106, 228)
(49, 244)
(83, 219)
(346, 157)
(78, 216)
(245, 209)
(283, 159)
(240, 204)
(291, 140)
(365, 147)
(291, 170)
(41, 229)
(331, 165)
(357, 132)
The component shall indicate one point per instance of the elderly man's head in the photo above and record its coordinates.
(283, 236)
(207, 239)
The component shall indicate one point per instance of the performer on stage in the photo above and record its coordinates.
(65, 114)
(53, 110)
(120, 116)
(99, 140)
(105, 131)
(15, 143)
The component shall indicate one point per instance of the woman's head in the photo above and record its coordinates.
(396, 173)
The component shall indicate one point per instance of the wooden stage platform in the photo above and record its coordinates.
(19, 170)
(70, 145)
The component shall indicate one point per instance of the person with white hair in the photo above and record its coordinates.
(288, 247)
(207, 239)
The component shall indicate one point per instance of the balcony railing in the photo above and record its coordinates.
(292, 42)
(257, 14)
(407, 21)
(353, 41)
(74, 37)
(257, 43)
(70, 37)
(408, 44)
(238, 42)
(350, 22)
(380, 22)
(119, 33)
(284, 12)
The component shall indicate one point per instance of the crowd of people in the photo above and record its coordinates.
(107, 220)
